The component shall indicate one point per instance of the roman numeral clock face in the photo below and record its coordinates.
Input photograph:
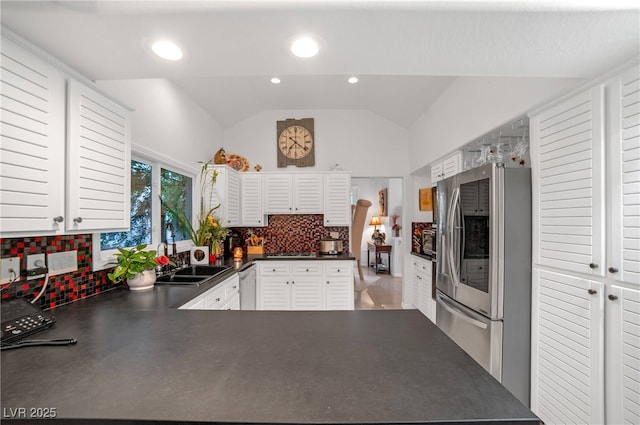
(295, 142)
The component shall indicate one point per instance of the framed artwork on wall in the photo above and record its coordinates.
(425, 200)
(382, 201)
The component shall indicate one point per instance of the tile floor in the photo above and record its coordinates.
(378, 292)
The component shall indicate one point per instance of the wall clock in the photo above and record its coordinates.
(296, 142)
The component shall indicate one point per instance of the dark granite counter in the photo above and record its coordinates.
(138, 359)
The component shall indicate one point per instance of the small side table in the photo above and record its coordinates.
(378, 249)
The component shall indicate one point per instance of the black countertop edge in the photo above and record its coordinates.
(156, 422)
(425, 256)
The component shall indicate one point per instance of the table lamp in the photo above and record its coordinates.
(377, 236)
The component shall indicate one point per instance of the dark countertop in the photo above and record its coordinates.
(138, 359)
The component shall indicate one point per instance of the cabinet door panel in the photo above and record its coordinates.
(623, 357)
(274, 293)
(32, 148)
(567, 143)
(278, 196)
(232, 209)
(309, 194)
(99, 161)
(625, 177)
(339, 293)
(567, 349)
(337, 209)
(251, 200)
(306, 293)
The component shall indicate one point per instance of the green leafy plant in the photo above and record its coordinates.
(206, 229)
(131, 261)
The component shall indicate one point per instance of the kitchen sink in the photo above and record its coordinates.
(174, 279)
(201, 271)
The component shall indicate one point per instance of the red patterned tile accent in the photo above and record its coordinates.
(295, 232)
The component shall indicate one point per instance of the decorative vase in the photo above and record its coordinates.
(396, 233)
(200, 255)
(142, 281)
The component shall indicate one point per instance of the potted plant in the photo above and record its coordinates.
(136, 265)
(207, 230)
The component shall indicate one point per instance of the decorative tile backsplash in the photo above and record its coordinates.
(64, 288)
(285, 233)
(416, 235)
(293, 233)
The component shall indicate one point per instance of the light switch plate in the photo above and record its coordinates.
(62, 262)
(8, 264)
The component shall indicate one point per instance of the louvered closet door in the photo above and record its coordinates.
(32, 148)
(625, 176)
(623, 356)
(568, 222)
(99, 161)
(567, 357)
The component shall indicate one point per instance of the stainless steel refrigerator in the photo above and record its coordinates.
(483, 271)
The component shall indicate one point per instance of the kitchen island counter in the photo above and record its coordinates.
(137, 359)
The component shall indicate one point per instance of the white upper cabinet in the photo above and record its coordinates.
(623, 264)
(33, 143)
(37, 159)
(337, 207)
(287, 193)
(251, 200)
(568, 166)
(226, 192)
(446, 168)
(99, 161)
(278, 193)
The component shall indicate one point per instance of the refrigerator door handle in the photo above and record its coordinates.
(459, 313)
(453, 267)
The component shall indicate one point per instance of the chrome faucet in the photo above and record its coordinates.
(165, 247)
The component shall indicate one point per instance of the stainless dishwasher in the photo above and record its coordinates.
(248, 288)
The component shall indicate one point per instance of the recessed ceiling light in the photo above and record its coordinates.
(275, 80)
(353, 80)
(304, 47)
(167, 50)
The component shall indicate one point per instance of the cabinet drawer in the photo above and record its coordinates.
(231, 287)
(274, 268)
(423, 266)
(214, 299)
(307, 268)
(232, 303)
(341, 268)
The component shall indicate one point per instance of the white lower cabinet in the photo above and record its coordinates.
(223, 296)
(338, 278)
(305, 285)
(422, 287)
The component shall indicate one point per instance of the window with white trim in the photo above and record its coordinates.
(150, 179)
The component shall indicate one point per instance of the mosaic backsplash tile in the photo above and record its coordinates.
(285, 233)
(294, 233)
(416, 235)
(64, 288)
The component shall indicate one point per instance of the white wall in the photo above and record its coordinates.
(472, 106)
(360, 141)
(167, 121)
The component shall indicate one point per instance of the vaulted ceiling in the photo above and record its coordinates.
(405, 53)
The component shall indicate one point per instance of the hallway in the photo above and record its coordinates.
(378, 292)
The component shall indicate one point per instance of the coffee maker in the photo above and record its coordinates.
(233, 240)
